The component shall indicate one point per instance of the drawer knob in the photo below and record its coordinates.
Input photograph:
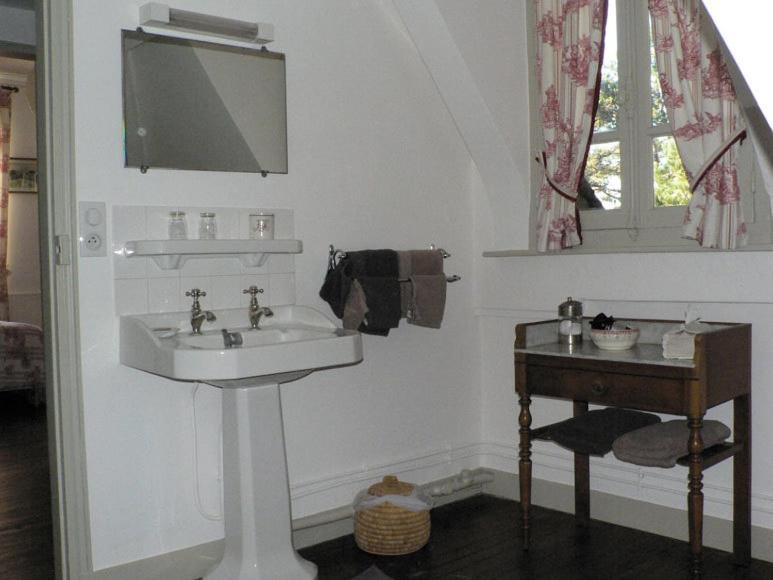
(598, 388)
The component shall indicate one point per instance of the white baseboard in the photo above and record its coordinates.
(191, 563)
(631, 513)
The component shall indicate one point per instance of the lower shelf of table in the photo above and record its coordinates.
(710, 456)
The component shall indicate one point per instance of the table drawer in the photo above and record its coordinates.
(660, 394)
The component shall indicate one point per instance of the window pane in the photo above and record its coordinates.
(671, 186)
(606, 115)
(659, 113)
(601, 187)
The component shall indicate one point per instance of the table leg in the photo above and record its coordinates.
(742, 481)
(524, 466)
(581, 478)
(695, 496)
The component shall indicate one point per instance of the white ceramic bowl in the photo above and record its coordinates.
(615, 339)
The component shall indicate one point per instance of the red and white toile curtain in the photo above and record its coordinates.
(705, 119)
(570, 36)
(5, 144)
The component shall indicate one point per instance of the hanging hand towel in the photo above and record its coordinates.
(426, 262)
(428, 300)
(356, 308)
(376, 271)
(336, 287)
(406, 291)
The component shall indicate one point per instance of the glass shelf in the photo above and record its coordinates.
(172, 254)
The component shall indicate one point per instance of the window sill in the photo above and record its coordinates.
(633, 250)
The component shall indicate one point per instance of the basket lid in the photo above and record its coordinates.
(390, 485)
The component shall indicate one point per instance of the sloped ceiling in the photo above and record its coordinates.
(746, 33)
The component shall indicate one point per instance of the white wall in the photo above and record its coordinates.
(375, 161)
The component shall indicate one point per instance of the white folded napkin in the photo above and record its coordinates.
(679, 342)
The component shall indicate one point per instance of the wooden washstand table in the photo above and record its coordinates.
(642, 379)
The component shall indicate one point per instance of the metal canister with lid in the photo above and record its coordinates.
(570, 322)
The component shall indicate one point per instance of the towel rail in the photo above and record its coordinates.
(334, 255)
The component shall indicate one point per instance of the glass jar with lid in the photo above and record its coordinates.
(178, 228)
(207, 226)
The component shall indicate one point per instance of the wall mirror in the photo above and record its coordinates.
(197, 105)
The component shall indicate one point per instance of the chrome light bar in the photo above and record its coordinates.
(161, 15)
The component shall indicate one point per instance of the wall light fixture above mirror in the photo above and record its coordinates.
(161, 15)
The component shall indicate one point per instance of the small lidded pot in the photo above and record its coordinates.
(207, 226)
(570, 322)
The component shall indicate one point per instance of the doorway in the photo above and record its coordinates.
(26, 534)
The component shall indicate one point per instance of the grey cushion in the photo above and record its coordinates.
(662, 444)
(593, 433)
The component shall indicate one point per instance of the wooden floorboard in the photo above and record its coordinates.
(478, 539)
(26, 551)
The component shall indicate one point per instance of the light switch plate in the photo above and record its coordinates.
(92, 229)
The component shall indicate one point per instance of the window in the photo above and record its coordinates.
(635, 189)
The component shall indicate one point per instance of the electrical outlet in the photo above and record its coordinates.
(92, 229)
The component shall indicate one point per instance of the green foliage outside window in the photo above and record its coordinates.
(603, 168)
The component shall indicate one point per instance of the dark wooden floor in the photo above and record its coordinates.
(25, 506)
(478, 539)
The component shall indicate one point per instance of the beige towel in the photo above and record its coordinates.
(355, 308)
(426, 262)
(422, 306)
(429, 300)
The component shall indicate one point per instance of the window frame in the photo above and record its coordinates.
(638, 222)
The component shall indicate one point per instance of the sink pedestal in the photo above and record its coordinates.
(258, 533)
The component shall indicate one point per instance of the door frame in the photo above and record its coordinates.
(59, 275)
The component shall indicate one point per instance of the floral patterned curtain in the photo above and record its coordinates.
(705, 120)
(570, 35)
(5, 144)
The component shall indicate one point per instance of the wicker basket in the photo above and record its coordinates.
(388, 530)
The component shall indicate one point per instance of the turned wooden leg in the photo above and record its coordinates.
(524, 466)
(695, 497)
(581, 478)
(742, 481)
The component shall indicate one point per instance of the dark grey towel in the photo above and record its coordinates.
(594, 432)
(661, 445)
(335, 289)
(377, 271)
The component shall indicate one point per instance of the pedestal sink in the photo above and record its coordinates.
(296, 341)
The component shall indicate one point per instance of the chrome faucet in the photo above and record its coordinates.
(256, 312)
(198, 316)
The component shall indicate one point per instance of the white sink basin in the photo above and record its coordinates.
(294, 342)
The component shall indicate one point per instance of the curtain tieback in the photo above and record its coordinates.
(739, 135)
(559, 190)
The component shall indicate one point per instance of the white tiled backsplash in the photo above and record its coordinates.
(141, 286)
